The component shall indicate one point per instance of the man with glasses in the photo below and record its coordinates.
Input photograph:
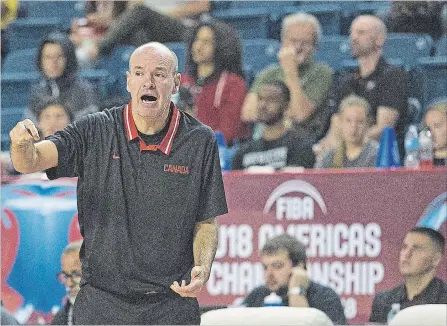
(309, 82)
(70, 276)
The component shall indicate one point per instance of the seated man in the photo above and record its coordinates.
(70, 276)
(352, 151)
(284, 260)
(309, 81)
(421, 254)
(52, 117)
(279, 147)
(385, 87)
(436, 119)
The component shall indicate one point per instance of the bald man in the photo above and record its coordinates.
(149, 191)
(385, 87)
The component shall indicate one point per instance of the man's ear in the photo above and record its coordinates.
(177, 79)
(127, 81)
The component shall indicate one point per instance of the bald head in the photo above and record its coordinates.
(372, 23)
(156, 49)
(368, 35)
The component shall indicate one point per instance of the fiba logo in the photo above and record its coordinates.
(435, 214)
(290, 202)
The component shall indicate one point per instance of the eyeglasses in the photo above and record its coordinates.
(63, 277)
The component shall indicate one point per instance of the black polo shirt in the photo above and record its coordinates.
(434, 293)
(138, 203)
(387, 86)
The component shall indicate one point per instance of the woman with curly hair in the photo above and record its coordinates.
(213, 87)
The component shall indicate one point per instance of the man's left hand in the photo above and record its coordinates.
(199, 275)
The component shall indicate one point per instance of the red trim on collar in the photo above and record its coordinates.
(166, 144)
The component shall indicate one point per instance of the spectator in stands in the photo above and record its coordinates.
(9, 11)
(56, 61)
(213, 88)
(309, 81)
(146, 21)
(53, 117)
(99, 16)
(385, 87)
(70, 276)
(285, 273)
(353, 150)
(416, 17)
(279, 146)
(421, 254)
(436, 119)
(7, 318)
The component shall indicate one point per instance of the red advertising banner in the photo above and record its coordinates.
(352, 223)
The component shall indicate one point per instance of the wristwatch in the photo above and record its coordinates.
(297, 290)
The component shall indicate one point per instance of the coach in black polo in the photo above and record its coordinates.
(149, 189)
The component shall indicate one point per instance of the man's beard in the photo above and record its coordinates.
(277, 118)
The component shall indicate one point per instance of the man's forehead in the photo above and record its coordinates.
(417, 238)
(153, 57)
(299, 28)
(279, 255)
(363, 23)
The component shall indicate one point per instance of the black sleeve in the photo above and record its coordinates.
(300, 145)
(72, 144)
(61, 318)
(254, 299)
(329, 302)
(236, 163)
(304, 157)
(213, 201)
(395, 90)
(379, 309)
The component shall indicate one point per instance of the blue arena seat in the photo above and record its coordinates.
(353, 8)
(26, 33)
(116, 64)
(259, 53)
(433, 78)
(20, 61)
(272, 6)
(251, 23)
(408, 47)
(179, 48)
(66, 10)
(441, 46)
(328, 14)
(16, 89)
(99, 78)
(10, 117)
(333, 49)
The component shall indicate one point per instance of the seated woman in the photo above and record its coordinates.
(56, 61)
(436, 119)
(213, 87)
(353, 150)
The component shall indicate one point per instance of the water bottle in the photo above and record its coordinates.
(425, 148)
(272, 300)
(223, 150)
(412, 147)
(395, 308)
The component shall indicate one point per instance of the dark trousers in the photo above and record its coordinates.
(97, 307)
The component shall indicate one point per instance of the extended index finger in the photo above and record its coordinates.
(29, 125)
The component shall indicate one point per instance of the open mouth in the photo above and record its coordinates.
(148, 98)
